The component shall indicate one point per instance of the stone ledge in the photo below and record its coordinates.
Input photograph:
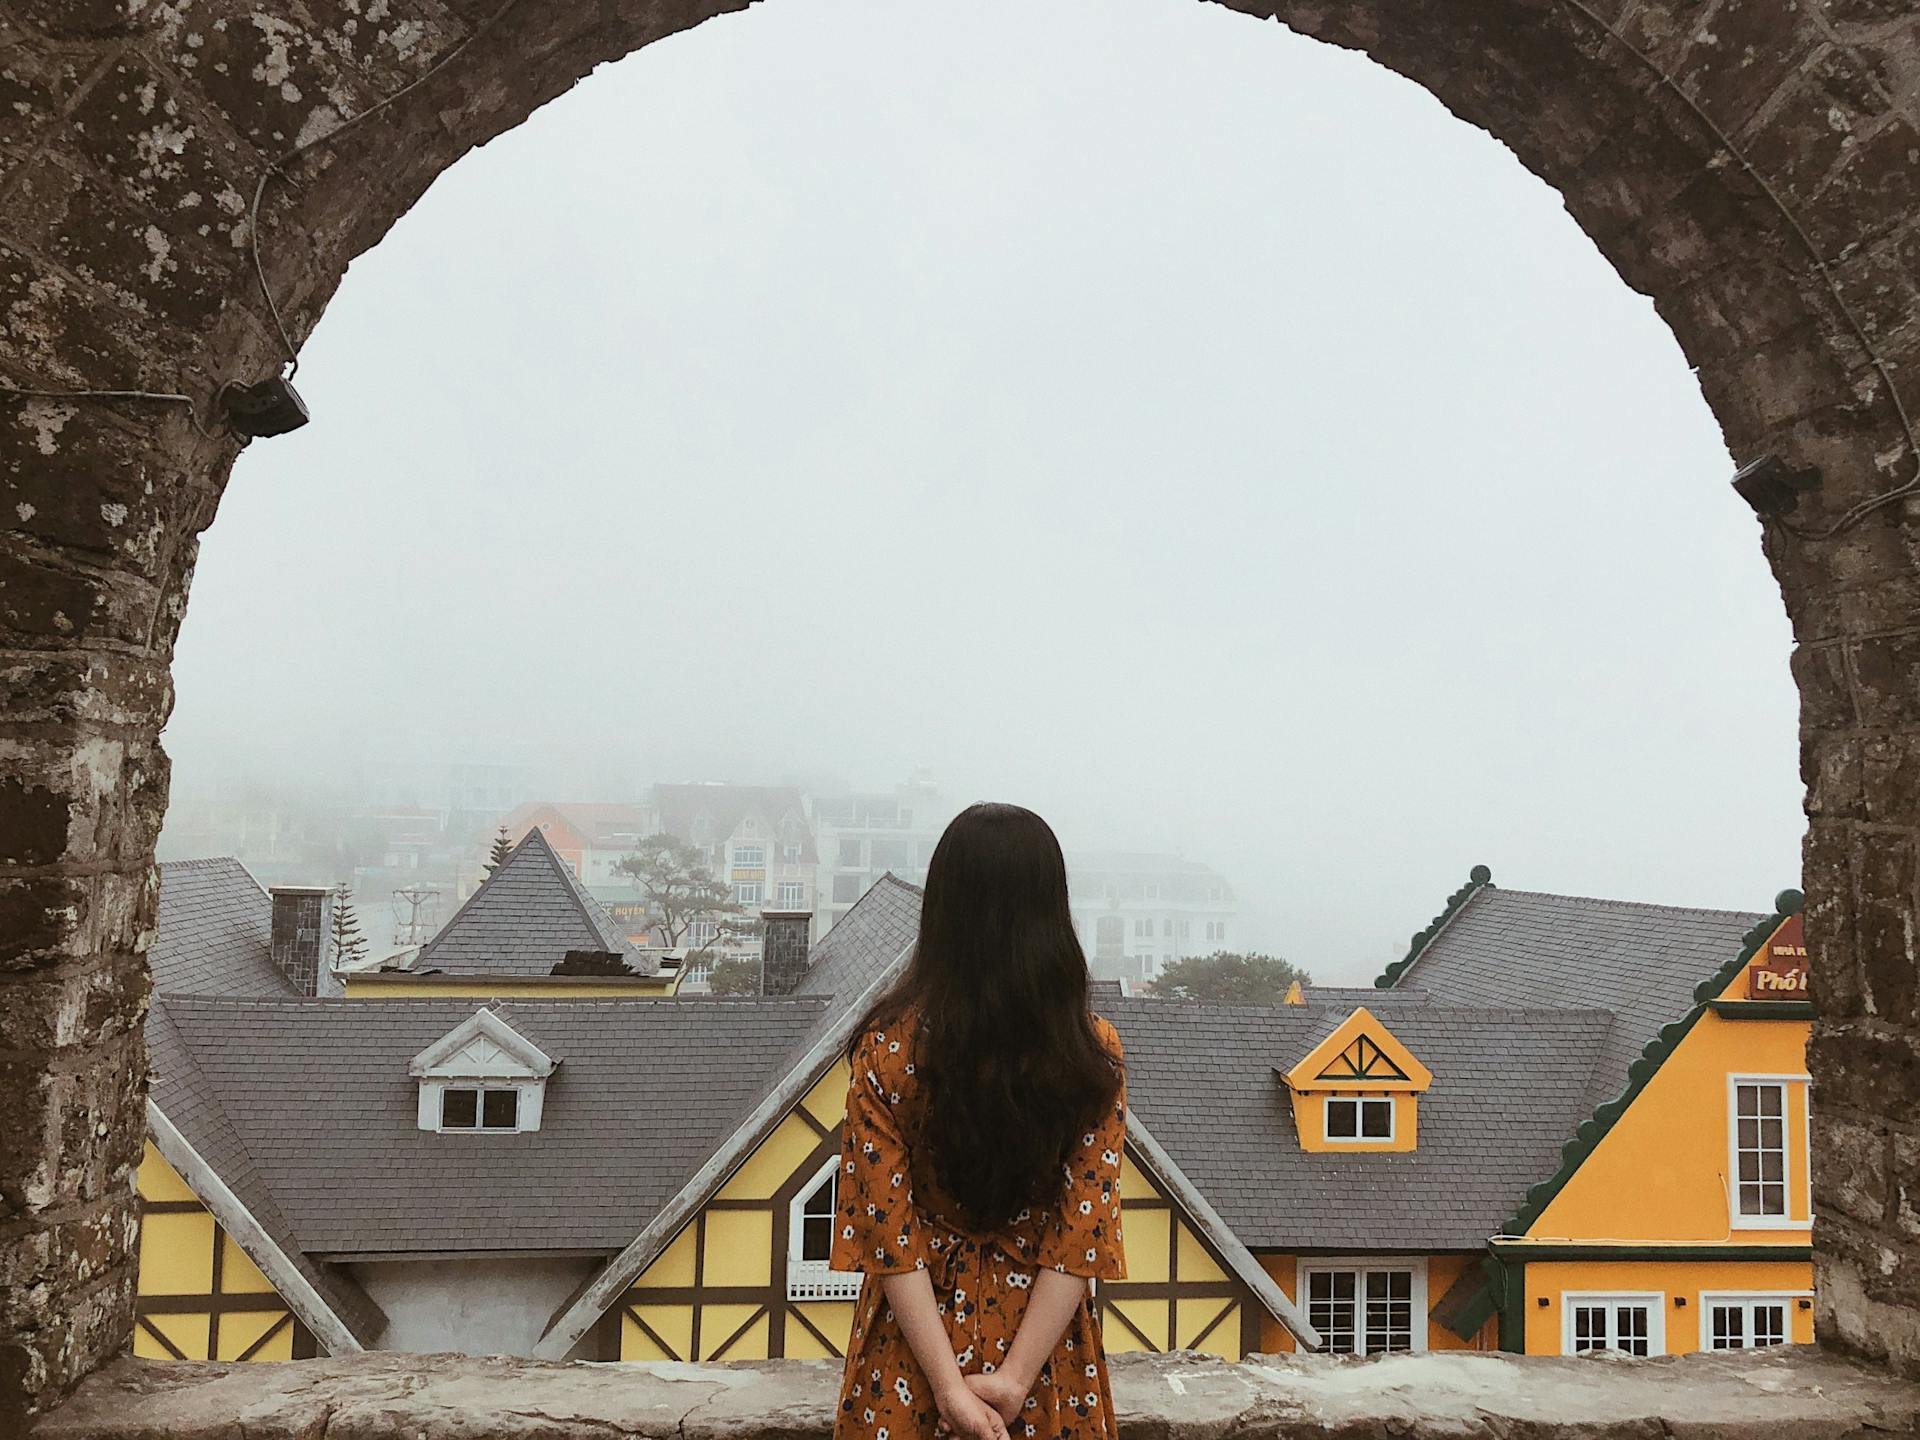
(1788, 1394)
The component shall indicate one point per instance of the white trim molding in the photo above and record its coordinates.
(1361, 1266)
(254, 1242)
(1653, 1301)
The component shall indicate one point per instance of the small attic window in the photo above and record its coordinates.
(479, 1109)
(1359, 1118)
(481, 1077)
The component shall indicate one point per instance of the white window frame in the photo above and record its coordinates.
(740, 862)
(1362, 1266)
(480, 1088)
(792, 895)
(1359, 1137)
(1797, 1167)
(815, 1279)
(1655, 1302)
(1747, 1300)
(748, 892)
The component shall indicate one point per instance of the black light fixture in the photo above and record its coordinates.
(267, 407)
(1680, 1301)
(1770, 488)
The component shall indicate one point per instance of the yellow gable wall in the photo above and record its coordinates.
(1441, 1270)
(199, 1297)
(1310, 1123)
(718, 1291)
(1668, 1154)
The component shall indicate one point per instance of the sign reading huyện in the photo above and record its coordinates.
(1779, 971)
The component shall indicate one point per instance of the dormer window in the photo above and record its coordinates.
(1359, 1117)
(481, 1077)
(1358, 1090)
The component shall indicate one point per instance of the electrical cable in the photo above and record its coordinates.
(1858, 512)
(277, 166)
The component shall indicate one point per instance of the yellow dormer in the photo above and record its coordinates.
(1358, 1091)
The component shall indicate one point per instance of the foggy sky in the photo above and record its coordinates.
(1122, 407)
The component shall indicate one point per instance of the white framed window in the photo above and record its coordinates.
(1633, 1322)
(749, 857)
(1358, 1119)
(1747, 1322)
(747, 892)
(810, 1221)
(480, 1107)
(792, 895)
(1366, 1307)
(1766, 1169)
(790, 853)
(1143, 927)
(701, 932)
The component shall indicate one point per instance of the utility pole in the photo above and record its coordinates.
(416, 914)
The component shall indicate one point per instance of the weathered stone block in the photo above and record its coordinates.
(1851, 1178)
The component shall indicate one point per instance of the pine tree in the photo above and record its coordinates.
(502, 847)
(348, 944)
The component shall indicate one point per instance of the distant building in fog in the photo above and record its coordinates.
(1137, 914)
(591, 836)
(864, 836)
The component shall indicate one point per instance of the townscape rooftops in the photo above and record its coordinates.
(1526, 948)
(214, 932)
(311, 1103)
(524, 919)
(1203, 1078)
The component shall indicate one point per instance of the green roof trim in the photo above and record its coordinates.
(1477, 879)
(1763, 1009)
(1592, 1131)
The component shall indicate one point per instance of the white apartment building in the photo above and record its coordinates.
(1137, 914)
(861, 837)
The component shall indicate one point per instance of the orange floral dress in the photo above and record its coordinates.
(891, 1218)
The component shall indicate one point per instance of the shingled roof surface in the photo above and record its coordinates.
(214, 932)
(524, 919)
(865, 942)
(1522, 947)
(1509, 1086)
(310, 1103)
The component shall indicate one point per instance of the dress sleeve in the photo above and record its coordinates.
(1083, 1237)
(876, 1229)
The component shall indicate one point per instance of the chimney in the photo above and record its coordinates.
(592, 962)
(783, 950)
(299, 933)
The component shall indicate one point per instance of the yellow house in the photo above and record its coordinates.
(1679, 1215)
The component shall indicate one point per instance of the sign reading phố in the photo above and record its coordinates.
(1779, 971)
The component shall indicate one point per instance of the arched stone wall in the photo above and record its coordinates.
(1750, 164)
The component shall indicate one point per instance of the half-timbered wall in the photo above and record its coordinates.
(719, 1289)
(199, 1296)
(1178, 1294)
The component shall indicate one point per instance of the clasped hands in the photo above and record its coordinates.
(981, 1407)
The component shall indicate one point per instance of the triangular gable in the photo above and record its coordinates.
(1360, 1054)
(583, 1309)
(482, 1047)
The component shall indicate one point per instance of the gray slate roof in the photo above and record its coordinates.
(310, 1104)
(213, 932)
(865, 941)
(1508, 1088)
(524, 919)
(1522, 947)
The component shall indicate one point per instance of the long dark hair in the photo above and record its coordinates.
(1010, 1063)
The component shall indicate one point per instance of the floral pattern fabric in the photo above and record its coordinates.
(890, 1219)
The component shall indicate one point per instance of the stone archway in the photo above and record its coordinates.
(1751, 165)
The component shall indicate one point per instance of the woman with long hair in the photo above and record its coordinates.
(979, 1184)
